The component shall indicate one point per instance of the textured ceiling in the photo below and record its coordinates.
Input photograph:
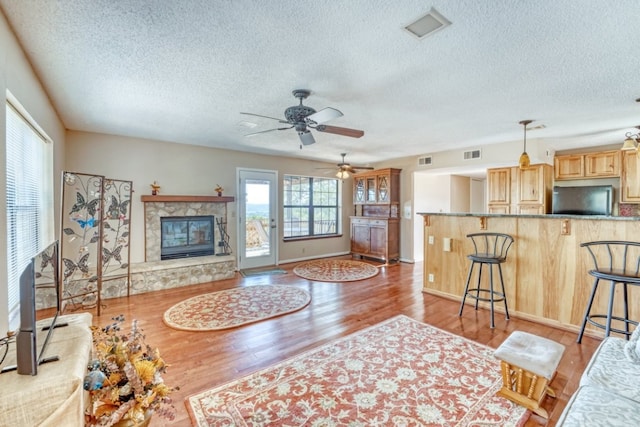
(182, 71)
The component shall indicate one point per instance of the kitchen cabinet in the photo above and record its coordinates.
(520, 191)
(630, 179)
(604, 164)
(499, 181)
(499, 209)
(375, 230)
(531, 184)
(568, 167)
(375, 237)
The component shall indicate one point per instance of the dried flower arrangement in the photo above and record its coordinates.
(124, 379)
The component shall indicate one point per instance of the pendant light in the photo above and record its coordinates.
(524, 161)
(632, 142)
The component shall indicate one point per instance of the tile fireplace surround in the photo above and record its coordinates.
(154, 274)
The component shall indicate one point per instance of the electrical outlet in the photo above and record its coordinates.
(431, 278)
(431, 240)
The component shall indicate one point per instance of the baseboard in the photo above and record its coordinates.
(286, 261)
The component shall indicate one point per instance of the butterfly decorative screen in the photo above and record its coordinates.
(94, 245)
(116, 222)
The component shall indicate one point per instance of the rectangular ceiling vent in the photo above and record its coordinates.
(472, 154)
(424, 161)
(428, 24)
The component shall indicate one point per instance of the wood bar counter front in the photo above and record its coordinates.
(546, 275)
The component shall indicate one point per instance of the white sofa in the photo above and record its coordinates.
(609, 392)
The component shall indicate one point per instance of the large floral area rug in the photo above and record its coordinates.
(397, 373)
(235, 307)
(340, 270)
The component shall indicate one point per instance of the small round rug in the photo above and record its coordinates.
(235, 307)
(340, 270)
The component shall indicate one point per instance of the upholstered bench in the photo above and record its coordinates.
(528, 364)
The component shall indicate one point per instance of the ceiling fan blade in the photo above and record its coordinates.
(353, 133)
(324, 115)
(268, 130)
(367, 168)
(266, 117)
(306, 138)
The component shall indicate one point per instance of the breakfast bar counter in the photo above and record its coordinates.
(546, 273)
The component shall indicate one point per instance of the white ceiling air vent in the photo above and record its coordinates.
(472, 154)
(427, 24)
(423, 161)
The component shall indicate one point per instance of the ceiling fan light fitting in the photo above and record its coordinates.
(342, 174)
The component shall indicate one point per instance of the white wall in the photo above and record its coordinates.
(478, 202)
(17, 77)
(194, 170)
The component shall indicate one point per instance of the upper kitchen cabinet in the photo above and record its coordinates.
(604, 164)
(520, 191)
(630, 180)
(499, 183)
(535, 184)
(569, 167)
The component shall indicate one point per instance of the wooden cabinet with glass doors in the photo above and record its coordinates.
(375, 231)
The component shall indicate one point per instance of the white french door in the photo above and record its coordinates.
(257, 218)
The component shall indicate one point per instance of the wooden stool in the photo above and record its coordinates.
(528, 364)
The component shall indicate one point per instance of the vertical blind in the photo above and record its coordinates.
(27, 193)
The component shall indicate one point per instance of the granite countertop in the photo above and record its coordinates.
(549, 216)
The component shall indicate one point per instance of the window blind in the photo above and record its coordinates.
(27, 193)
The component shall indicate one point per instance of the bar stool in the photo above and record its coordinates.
(491, 249)
(619, 263)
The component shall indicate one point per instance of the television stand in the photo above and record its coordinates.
(40, 362)
(30, 339)
(57, 325)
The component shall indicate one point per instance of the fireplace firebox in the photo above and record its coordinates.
(186, 236)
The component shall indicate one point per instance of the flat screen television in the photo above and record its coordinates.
(41, 273)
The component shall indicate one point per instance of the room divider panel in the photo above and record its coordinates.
(94, 246)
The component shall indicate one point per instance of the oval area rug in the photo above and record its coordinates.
(336, 270)
(235, 307)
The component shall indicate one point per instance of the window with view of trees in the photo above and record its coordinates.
(310, 206)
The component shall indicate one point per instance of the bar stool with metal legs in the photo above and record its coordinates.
(490, 249)
(617, 262)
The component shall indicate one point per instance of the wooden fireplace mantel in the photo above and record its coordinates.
(186, 199)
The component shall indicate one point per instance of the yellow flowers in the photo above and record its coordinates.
(124, 379)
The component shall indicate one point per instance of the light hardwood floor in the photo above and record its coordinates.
(201, 360)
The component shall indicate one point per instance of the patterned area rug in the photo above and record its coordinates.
(340, 270)
(235, 307)
(397, 373)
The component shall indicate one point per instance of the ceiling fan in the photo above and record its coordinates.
(344, 168)
(303, 118)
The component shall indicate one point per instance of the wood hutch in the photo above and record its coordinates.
(375, 227)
